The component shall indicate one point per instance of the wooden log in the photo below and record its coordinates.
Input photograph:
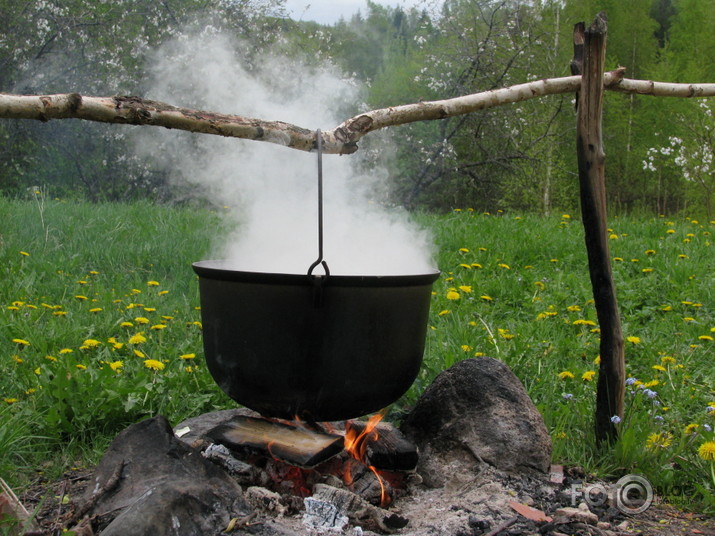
(285, 442)
(388, 449)
(591, 170)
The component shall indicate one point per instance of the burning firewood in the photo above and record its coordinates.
(286, 442)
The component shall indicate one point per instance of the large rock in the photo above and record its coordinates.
(477, 411)
(150, 483)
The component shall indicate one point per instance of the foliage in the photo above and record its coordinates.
(519, 156)
(99, 328)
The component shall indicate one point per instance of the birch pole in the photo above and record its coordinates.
(590, 55)
(340, 140)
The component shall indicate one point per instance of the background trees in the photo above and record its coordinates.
(518, 156)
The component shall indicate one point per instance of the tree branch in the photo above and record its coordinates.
(341, 140)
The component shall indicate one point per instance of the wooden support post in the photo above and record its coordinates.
(591, 160)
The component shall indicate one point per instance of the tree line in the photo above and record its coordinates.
(521, 156)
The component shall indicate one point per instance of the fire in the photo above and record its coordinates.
(356, 444)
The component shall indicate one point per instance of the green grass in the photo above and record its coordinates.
(76, 280)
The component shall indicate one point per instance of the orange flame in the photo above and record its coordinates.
(356, 445)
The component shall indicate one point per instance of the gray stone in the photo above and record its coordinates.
(477, 411)
(149, 482)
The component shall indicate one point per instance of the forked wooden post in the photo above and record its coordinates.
(589, 57)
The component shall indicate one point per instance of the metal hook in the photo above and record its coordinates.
(319, 260)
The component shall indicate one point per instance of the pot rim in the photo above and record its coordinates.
(218, 270)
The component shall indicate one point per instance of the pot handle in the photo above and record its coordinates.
(319, 260)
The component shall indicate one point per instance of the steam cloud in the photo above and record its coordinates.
(272, 189)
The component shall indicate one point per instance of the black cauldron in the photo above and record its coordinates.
(320, 348)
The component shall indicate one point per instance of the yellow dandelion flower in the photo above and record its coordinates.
(139, 353)
(136, 291)
(38, 370)
(573, 308)
(465, 288)
(691, 429)
(137, 338)
(667, 360)
(588, 375)
(189, 369)
(17, 359)
(66, 351)
(453, 295)
(666, 308)
(597, 361)
(30, 391)
(153, 364)
(118, 345)
(81, 367)
(150, 309)
(705, 338)
(21, 342)
(126, 325)
(618, 259)
(583, 322)
(9, 400)
(466, 348)
(486, 298)
(141, 320)
(116, 366)
(540, 285)
(659, 368)
(95, 310)
(12, 308)
(564, 375)
(152, 283)
(158, 327)
(476, 265)
(613, 236)
(633, 340)
(467, 266)
(504, 265)
(670, 231)
(80, 297)
(24, 254)
(660, 440)
(163, 292)
(707, 451)
(566, 216)
(647, 270)
(91, 343)
(51, 358)
(444, 312)
(166, 317)
(651, 383)
(187, 356)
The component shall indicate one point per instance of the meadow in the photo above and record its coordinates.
(100, 327)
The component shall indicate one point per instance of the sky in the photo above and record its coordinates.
(330, 11)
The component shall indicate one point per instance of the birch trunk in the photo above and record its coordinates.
(341, 140)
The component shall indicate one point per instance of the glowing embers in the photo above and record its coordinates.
(370, 459)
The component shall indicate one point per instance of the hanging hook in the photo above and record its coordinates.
(319, 260)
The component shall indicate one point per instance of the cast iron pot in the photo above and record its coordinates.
(322, 348)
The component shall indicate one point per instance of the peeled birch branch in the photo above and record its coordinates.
(341, 140)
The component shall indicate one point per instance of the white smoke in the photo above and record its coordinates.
(273, 189)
